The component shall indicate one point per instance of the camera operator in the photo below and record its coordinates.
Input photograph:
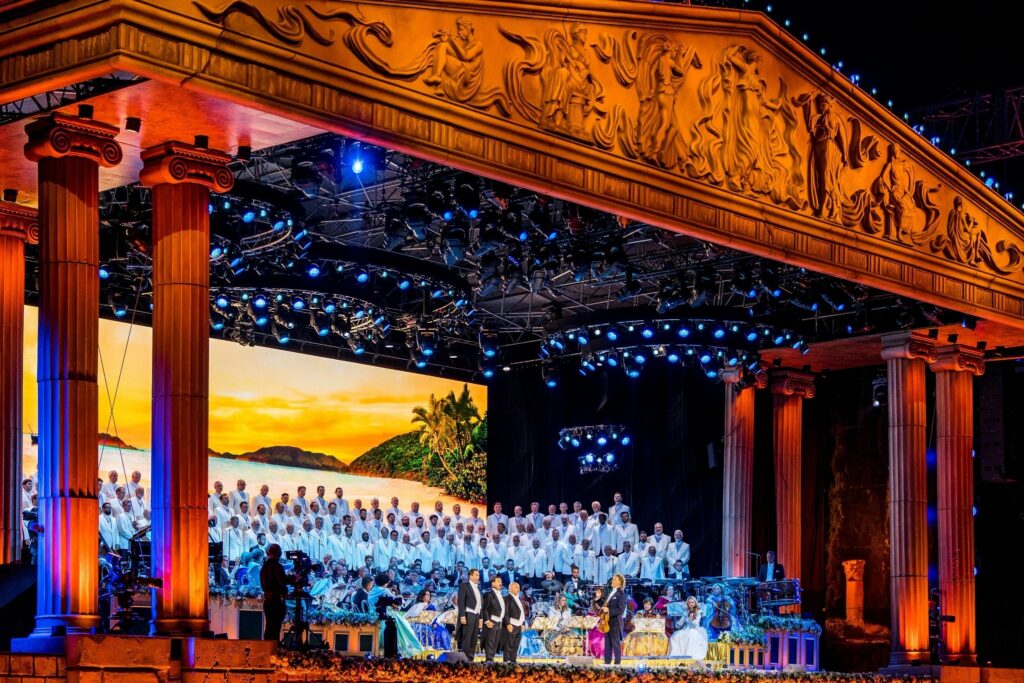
(274, 583)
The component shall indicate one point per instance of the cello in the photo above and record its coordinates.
(722, 618)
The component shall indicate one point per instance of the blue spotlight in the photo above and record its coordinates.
(222, 301)
(216, 252)
(705, 357)
(313, 270)
(625, 440)
(752, 336)
(259, 301)
(357, 166)
(683, 332)
(362, 277)
(298, 303)
(719, 333)
(712, 373)
(249, 216)
(589, 457)
(104, 273)
(673, 356)
(226, 205)
(610, 457)
(640, 358)
(359, 348)
(447, 215)
(473, 213)
(404, 284)
(647, 332)
(575, 442)
(602, 440)
(278, 226)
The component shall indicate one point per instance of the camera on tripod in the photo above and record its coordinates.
(302, 569)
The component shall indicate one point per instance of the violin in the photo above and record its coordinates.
(605, 624)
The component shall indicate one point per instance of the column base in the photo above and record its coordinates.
(57, 625)
(180, 627)
(968, 659)
(910, 658)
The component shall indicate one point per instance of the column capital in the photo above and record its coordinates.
(176, 162)
(21, 221)
(792, 383)
(58, 135)
(737, 374)
(958, 358)
(908, 345)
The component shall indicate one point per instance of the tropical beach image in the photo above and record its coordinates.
(288, 420)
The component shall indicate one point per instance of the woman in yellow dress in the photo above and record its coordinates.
(648, 636)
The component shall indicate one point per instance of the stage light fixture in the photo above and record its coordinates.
(362, 276)
(321, 324)
(612, 333)
(630, 366)
(249, 216)
(104, 273)
(216, 252)
(298, 303)
(330, 307)
(705, 357)
(752, 335)
(218, 321)
(488, 345)
(647, 332)
(280, 333)
(342, 326)
(313, 270)
(672, 355)
(426, 343)
(258, 314)
(358, 346)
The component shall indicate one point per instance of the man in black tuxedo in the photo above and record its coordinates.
(510, 575)
(359, 603)
(573, 584)
(470, 604)
(515, 617)
(494, 619)
(615, 606)
(771, 570)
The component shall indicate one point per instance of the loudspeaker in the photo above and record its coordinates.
(453, 657)
(576, 660)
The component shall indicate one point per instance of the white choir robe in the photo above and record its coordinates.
(493, 521)
(335, 549)
(299, 500)
(125, 530)
(600, 536)
(628, 564)
(442, 552)
(139, 507)
(364, 549)
(108, 531)
(615, 514)
(561, 556)
(322, 504)
(342, 507)
(425, 554)
(606, 565)
(383, 552)
(317, 545)
(397, 512)
(680, 551)
(413, 516)
(406, 554)
(514, 523)
(286, 541)
(108, 491)
(651, 568)
(497, 554)
(250, 538)
(236, 498)
(282, 520)
(536, 519)
(470, 556)
(234, 540)
(258, 500)
(214, 535)
(212, 504)
(627, 534)
(348, 550)
(586, 560)
(263, 520)
(224, 515)
(538, 563)
(518, 554)
(660, 543)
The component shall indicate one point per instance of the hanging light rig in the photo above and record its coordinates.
(597, 448)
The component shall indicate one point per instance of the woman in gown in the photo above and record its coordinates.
(531, 644)
(563, 641)
(595, 637)
(422, 618)
(690, 639)
(643, 641)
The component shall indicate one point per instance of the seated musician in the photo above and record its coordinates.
(719, 612)
(563, 641)
(644, 642)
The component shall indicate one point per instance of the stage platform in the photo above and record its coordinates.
(638, 663)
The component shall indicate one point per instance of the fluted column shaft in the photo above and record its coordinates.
(906, 357)
(737, 475)
(789, 388)
(955, 370)
(17, 224)
(69, 151)
(181, 177)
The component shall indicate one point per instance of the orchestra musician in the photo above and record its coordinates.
(615, 606)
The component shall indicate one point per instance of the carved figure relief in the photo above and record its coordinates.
(570, 94)
(743, 138)
(826, 160)
(657, 66)
(965, 242)
(898, 207)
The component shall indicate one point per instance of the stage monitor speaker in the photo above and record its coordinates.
(250, 624)
(453, 657)
(341, 642)
(366, 642)
(576, 660)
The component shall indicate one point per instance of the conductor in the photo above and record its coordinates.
(470, 604)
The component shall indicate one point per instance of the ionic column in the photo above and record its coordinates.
(181, 176)
(17, 225)
(737, 472)
(906, 355)
(955, 370)
(70, 151)
(789, 389)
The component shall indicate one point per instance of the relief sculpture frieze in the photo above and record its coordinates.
(706, 108)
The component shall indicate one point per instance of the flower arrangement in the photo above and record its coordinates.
(747, 635)
(325, 614)
(328, 666)
(773, 622)
(236, 592)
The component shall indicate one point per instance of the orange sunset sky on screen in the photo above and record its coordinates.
(258, 396)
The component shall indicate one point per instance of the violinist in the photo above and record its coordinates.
(615, 608)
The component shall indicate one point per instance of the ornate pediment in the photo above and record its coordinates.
(712, 122)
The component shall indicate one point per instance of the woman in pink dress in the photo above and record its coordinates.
(595, 637)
